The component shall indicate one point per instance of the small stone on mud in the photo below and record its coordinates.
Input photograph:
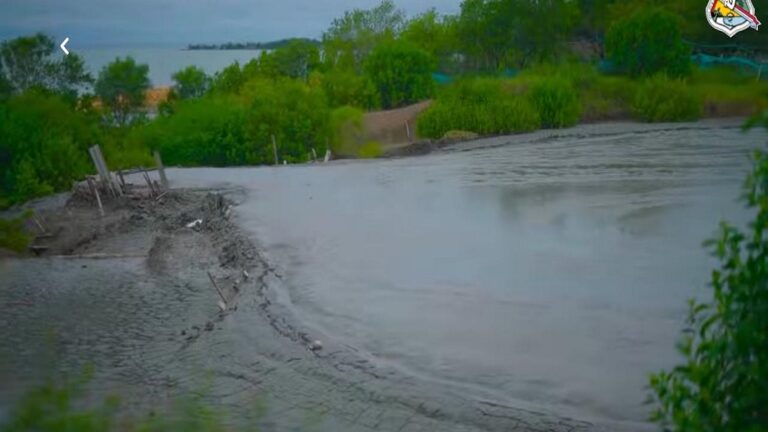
(315, 345)
(246, 275)
(209, 326)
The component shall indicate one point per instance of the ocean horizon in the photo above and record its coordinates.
(163, 62)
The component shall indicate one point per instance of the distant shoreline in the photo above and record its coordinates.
(249, 45)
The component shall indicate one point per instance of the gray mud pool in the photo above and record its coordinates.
(521, 283)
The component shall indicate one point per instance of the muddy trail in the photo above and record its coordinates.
(137, 296)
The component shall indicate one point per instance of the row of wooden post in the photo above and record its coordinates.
(313, 155)
(111, 184)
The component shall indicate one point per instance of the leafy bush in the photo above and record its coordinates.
(348, 88)
(208, 131)
(648, 42)
(121, 86)
(347, 130)
(296, 114)
(401, 73)
(43, 146)
(556, 101)
(222, 130)
(478, 105)
(722, 384)
(660, 99)
(191, 82)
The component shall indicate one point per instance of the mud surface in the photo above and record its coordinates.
(129, 294)
(514, 283)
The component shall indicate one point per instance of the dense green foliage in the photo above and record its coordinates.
(721, 386)
(350, 39)
(120, 87)
(347, 130)
(228, 129)
(401, 73)
(648, 42)
(348, 88)
(190, 82)
(660, 99)
(29, 62)
(296, 59)
(43, 146)
(480, 105)
(556, 101)
(499, 34)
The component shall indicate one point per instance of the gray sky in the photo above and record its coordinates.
(178, 22)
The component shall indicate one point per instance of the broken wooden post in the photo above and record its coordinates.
(101, 167)
(408, 130)
(221, 294)
(161, 170)
(274, 149)
(327, 155)
(95, 190)
(149, 183)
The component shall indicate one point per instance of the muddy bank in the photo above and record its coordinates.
(130, 295)
(597, 129)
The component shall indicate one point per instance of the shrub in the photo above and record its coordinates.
(401, 73)
(43, 146)
(191, 82)
(121, 86)
(296, 114)
(347, 130)
(348, 88)
(222, 130)
(721, 386)
(556, 101)
(478, 105)
(660, 99)
(648, 42)
(206, 131)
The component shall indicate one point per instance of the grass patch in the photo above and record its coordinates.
(12, 233)
(370, 150)
(557, 102)
(664, 99)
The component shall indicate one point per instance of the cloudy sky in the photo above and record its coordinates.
(179, 22)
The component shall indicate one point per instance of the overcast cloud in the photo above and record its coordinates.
(91, 23)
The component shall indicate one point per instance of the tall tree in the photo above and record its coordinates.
(352, 37)
(434, 34)
(296, 59)
(191, 82)
(29, 61)
(401, 73)
(504, 33)
(121, 86)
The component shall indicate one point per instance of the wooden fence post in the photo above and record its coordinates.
(161, 170)
(274, 149)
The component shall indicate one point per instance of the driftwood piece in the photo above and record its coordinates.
(218, 290)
